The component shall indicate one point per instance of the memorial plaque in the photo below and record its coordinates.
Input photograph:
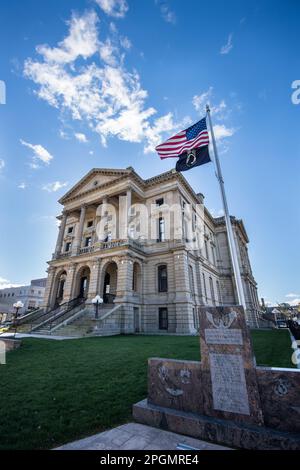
(230, 388)
(223, 336)
(229, 383)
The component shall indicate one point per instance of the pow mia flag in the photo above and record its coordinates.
(195, 157)
(189, 146)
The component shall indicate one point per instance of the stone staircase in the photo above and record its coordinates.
(47, 323)
(84, 324)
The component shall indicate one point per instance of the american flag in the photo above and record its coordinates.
(194, 137)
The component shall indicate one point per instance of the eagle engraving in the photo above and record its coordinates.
(222, 320)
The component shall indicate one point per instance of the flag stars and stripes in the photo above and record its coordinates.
(194, 137)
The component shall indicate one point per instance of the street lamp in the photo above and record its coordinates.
(17, 307)
(96, 301)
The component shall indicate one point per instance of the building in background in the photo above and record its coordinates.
(157, 283)
(31, 296)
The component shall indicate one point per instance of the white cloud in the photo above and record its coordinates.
(295, 302)
(22, 186)
(166, 12)
(91, 152)
(82, 41)
(219, 112)
(108, 97)
(116, 8)
(228, 46)
(81, 137)
(39, 154)
(2, 164)
(292, 295)
(125, 42)
(217, 213)
(221, 131)
(55, 186)
(200, 101)
(5, 284)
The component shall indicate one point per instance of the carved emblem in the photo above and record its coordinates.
(185, 376)
(281, 387)
(222, 320)
(191, 158)
(169, 386)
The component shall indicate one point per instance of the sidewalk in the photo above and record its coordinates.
(135, 436)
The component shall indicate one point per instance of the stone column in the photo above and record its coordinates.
(49, 288)
(94, 288)
(69, 285)
(61, 233)
(79, 231)
(124, 281)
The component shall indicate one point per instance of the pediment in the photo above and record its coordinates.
(94, 179)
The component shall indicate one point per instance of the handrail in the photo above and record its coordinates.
(68, 306)
(25, 318)
(74, 303)
(46, 316)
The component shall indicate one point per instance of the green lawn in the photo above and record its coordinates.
(53, 392)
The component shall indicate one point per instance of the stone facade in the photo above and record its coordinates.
(108, 244)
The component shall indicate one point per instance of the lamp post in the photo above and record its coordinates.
(96, 301)
(17, 307)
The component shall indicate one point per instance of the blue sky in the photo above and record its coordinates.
(97, 83)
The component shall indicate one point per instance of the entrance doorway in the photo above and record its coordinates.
(110, 283)
(82, 283)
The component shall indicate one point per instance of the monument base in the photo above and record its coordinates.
(220, 431)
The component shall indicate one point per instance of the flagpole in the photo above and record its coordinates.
(231, 241)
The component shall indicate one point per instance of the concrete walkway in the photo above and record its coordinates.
(33, 335)
(135, 436)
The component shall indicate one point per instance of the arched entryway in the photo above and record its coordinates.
(59, 288)
(109, 283)
(82, 283)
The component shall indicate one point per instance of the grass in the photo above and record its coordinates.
(53, 392)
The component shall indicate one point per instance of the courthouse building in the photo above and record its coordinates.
(152, 266)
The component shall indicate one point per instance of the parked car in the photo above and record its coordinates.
(281, 324)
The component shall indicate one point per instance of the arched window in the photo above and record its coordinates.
(162, 278)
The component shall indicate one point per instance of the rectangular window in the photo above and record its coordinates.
(90, 223)
(204, 286)
(206, 250)
(68, 247)
(163, 318)
(161, 229)
(70, 230)
(212, 291)
(160, 201)
(88, 242)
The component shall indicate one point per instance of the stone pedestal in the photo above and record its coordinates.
(224, 398)
(229, 382)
